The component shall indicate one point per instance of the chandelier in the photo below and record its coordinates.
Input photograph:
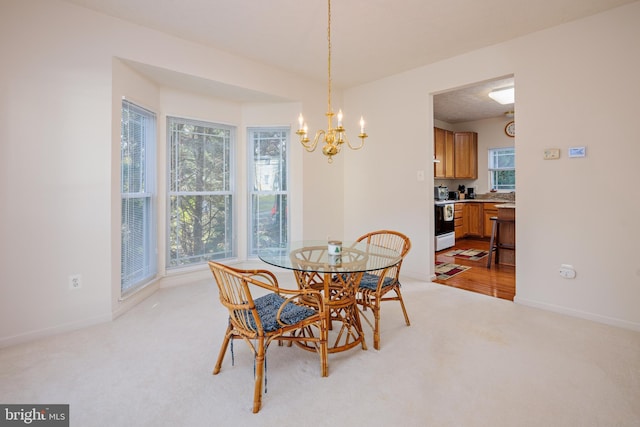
(332, 138)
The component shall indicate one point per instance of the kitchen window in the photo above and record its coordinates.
(502, 168)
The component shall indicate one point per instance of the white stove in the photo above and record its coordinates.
(445, 236)
(445, 241)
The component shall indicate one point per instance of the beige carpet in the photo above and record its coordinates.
(466, 360)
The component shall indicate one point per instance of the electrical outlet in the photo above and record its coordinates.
(567, 271)
(75, 281)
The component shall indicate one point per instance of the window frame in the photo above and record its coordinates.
(494, 169)
(253, 241)
(229, 193)
(147, 233)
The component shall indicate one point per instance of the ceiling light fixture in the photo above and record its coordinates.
(505, 95)
(333, 138)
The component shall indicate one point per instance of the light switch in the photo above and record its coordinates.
(552, 153)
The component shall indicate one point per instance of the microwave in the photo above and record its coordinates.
(441, 193)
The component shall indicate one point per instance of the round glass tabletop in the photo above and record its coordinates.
(313, 255)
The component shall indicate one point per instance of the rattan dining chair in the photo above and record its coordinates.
(277, 315)
(375, 286)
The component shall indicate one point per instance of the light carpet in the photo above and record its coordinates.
(466, 360)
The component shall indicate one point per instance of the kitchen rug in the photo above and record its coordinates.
(470, 254)
(446, 270)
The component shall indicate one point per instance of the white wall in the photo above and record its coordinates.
(55, 163)
(381, 187)
(576, 85)
(589, 70)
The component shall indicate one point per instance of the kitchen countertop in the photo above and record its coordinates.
(498, 198)
(480, 201)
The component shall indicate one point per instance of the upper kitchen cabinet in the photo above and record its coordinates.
(456, 154)
(465, 155)
(443, 151)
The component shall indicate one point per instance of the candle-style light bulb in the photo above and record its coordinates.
(361, 124)
(305, 128)
(300, 121)
(339, 117)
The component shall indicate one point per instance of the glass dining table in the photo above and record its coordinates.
(337, 276)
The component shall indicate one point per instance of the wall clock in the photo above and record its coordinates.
(510, 129)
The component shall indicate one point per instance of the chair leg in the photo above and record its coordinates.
(223, 350)
(404, 310)
(492, 242)
(376, 311)
(376, 328)
(324, 352)
(257, 389)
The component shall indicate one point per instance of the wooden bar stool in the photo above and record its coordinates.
(494, 243)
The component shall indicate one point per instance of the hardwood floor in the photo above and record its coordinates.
(498, 281)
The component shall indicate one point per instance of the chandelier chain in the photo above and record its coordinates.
(329, 55)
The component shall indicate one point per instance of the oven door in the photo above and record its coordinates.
(444, 218)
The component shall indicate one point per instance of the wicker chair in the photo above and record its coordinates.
(276, 315)
(375, 285)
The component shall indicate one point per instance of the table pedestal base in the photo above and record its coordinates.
(340, 304)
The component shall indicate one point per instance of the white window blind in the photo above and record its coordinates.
(137, 190)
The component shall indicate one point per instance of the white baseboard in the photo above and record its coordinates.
(621, 323)
(54, 330)
(415, 275)
(202, 272)
(186, 278)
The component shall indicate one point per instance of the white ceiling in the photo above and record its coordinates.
(370, 39)
(472, 102)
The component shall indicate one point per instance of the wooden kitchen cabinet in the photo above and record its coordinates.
(489, 210)
(465, 155)
(443, 152)
(459, 224)
(473, 219)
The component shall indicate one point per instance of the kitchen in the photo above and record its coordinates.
(474, 194)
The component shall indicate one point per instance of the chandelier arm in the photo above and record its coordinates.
(346, 139)
(316, 138)
(309, 146)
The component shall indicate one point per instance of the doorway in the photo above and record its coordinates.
(470, 109)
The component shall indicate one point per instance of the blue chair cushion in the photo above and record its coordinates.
(268, 307)
(370, 281)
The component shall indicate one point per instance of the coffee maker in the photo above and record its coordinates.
(471, 194)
